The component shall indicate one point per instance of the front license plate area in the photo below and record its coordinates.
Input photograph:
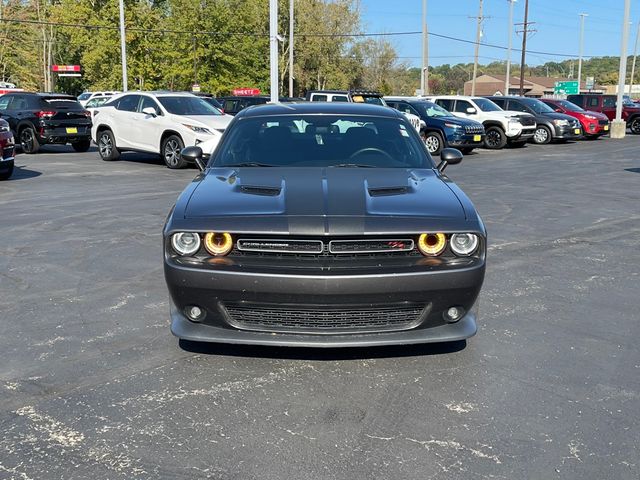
(577, 131)
(606, 128)
(477, 138)
(72, 130)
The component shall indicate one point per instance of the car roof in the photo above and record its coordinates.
(160, 93)
(309, 108)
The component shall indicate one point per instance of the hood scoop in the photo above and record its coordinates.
(261, 190)
(388, 191)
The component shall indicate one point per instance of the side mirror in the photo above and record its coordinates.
(449, 156)
(471, 111)
(193, 155)
(150, 111)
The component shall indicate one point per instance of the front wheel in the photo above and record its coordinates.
(433, 142)
(171, 148)
(542, 136)
(29, 141)
(81, 145)
(634, 126)
(495, 138)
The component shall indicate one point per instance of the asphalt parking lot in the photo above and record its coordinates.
(93, 385)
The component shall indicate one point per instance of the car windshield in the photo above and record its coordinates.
(322, 141)
(433, 110)
(486, 105)
(572, 107)
(62, 104)
(373, 100)
(538, 106)
(188, 105)
(84, 96)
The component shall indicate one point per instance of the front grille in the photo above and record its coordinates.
(387, 246)
(280, 246)
(474, 129)
(603, 122)
(527, 120)
(324, 319)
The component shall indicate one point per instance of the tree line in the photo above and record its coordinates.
(220, 45)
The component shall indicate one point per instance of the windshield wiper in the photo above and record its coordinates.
(248, 164)
(351, 165)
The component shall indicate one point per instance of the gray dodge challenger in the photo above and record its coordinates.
(325, 225)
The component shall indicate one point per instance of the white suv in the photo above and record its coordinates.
(501, 126)
(156, 122)
(84, 97)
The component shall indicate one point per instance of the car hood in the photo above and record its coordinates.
(324, 200)
(598, 115)
(458, 120)
(505, 114)
(218, 122)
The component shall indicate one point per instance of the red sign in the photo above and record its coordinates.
(246, 92)
(65, 68)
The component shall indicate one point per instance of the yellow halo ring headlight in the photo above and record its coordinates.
(432, 244)
(218, 244)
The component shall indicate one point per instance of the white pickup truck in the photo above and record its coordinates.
(501, 126)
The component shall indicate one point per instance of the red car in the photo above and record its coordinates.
(594, 124)
(7, 149)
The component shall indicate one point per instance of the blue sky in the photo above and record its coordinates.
(557, 25)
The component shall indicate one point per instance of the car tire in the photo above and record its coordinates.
(542, 135)
(28, 140)
(7, 174)
(170, 151)
(634, 126)
(81, 145)
(433, 142)
(495, 138)
(107, 146)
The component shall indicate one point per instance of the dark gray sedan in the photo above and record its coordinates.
(323, 224)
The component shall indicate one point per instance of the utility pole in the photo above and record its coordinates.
(582, 15)
(633, 65)
(123, 48)
(273, 50)
(524, 31)
(619, 126)
(507, 78)
(475, 57)
(424, 78)
(290, 48)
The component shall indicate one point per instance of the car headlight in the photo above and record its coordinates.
(218, 244)
(197, 129)
(464, 244)
(513, 123)
(560, 122)
(452, 125)
(591, 117)
(185, 243)
(432, 244)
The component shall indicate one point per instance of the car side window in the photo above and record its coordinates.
(446, 104)
(461, 106)
(229, 105)
(593, 102)
(318, 98)
(517, 106)
(608, 102)
(149, 102)
(340, 98)
(4, 102)
(501, 102)
(128, 103)
(19, 103)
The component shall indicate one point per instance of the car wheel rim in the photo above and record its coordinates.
(172, 152)
(105, 146)
(635, 126)
(541, 135)
(493, 139)
(432, 143)
(26, 139)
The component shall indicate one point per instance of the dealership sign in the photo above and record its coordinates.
(246, 92)
(66, 70)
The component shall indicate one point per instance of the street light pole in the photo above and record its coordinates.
(123, 48)
(273, 50)
(475, 57)
(507, 78)
(619, 126)
(424, 77)
(633, 65)
(582, 15)
(525, 30)
(290, 48)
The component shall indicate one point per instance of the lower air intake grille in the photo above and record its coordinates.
(324, 320)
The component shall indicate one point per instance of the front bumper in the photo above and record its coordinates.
(567, 132)
(596, 128)
(212, 289)
(525, 135)
(466, 140)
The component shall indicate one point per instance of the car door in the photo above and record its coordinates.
(609, 107)
(6, 112)
(460, 109)
(123, 122)
(149, 127)
(517, 106)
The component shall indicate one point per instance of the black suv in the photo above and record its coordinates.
(551, 125)
(40, 118)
